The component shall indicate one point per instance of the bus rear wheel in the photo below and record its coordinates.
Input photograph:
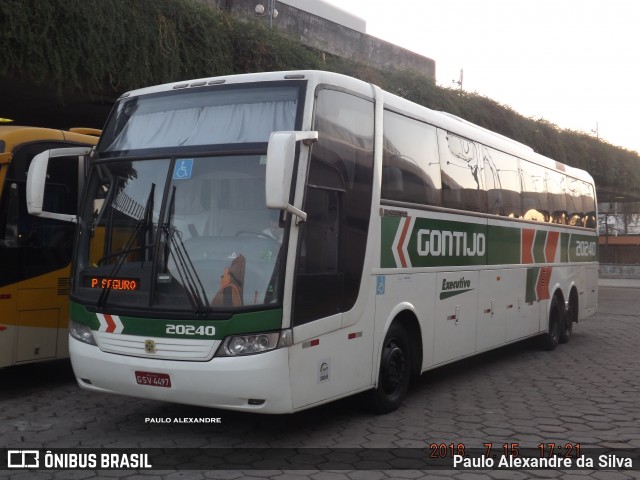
(395, 372)
(571, 316)
(550, 340)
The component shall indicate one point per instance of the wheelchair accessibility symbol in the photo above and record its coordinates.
(183, 168)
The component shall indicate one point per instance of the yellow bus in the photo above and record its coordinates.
(35, 252)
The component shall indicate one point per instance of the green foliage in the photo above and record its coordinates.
(256, 48)
(107, 47)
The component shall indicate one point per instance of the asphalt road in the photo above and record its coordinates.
(586, 392)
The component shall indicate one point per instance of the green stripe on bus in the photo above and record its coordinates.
(564, 247)
(78, 313)
(583, 248)
(443, 243)
(389, 227)
(532, 281)
(538, 246)
(252, 322)
(439, 243)
(504, 245)
(445, 295)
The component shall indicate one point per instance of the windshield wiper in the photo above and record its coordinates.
(144, 226)
(106, 182)
(174, 247)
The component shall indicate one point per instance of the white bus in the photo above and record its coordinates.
(271, 242)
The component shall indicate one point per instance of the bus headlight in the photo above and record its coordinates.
(250, 344)
(81, 332)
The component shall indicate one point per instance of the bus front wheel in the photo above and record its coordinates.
(395, 372)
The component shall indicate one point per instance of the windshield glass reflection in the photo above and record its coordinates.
(190, 233)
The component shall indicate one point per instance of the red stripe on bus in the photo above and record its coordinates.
(542, 286)
(311, 343)
(111, 324)
(528, 236)
(552, 246)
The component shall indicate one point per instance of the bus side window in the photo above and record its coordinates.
(574, 202)
(333, 239)
(503, 183)
(36, 245)
(535, 205)
(319, 245)
(588, 206)
(462, 182)
(10, 216)
(410, 165)
(556, 186)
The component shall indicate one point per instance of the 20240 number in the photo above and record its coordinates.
(202, 330)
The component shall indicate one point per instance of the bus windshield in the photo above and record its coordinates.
(175, 220)
(200, 117)
(181, 233)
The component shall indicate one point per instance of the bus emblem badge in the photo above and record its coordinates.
(150, 346)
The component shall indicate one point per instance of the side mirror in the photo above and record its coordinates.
(280, 162)
(37, 180)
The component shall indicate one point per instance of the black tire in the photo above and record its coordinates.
(570, 317)
(550, 340)
(395, 372)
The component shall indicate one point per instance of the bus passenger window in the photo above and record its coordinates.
(462, 182)
(410, 165)
(503, 183)
(574, 202)
(556, 186)
(535, 205)
(588, 206)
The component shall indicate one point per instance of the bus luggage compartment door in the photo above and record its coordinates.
(455, 332)
(37, 334)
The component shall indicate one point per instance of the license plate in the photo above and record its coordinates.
(153, 379)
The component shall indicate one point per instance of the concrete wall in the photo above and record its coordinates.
(326, 10)
(619, 271)
(330, 37)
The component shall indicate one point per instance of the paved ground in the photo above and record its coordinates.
(586, 392)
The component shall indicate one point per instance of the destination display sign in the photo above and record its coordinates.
(111, 283)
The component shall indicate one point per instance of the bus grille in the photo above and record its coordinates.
(63, 286)
(157, 347)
